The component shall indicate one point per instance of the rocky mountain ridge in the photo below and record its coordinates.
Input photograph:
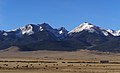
(44, 37)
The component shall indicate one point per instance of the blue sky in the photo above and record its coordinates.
(66, 13)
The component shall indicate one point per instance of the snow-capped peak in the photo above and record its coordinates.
(83, 26)
(92, 28)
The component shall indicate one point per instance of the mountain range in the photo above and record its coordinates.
(34, 37)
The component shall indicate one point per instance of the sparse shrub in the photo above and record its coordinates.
(30, 64)
(5, 64)
(13, 67)
(46, 66)
(56, 67)
(53, 64)
(63, 62)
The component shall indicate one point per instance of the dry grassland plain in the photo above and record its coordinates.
(82, 61)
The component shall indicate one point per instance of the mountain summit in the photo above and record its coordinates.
(94, 29)
(83, 26)
(43, 37)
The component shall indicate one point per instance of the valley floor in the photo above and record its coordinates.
(82, 61)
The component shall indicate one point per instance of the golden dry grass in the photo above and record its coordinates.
(83, 61)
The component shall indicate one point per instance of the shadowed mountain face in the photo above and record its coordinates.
(44, 37)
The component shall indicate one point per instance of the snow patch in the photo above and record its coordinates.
(27, 30)
(105, 33)
(5, 34)
(61, 32)
(113, 32)
(41, 29)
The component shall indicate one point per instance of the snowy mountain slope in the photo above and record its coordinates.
(114, 33)
(83, 26)
(94, 29)
(31, 29)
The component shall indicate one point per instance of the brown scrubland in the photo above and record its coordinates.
(83, 61)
